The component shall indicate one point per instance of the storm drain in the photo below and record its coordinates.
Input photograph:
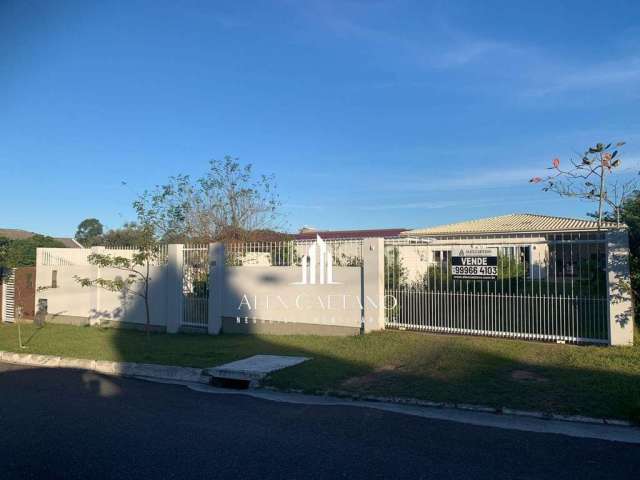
(231, 383)
(248, 372)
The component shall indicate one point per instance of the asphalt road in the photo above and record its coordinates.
(72, 424)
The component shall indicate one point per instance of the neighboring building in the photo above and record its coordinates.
(17, 291)
(17, 285)
(307, 233)
(547, 245)
(17, 234)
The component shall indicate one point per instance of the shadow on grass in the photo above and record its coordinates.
(592, 381)
(37, 329)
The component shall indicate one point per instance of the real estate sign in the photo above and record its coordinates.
(474, 262)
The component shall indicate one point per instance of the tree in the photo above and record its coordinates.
(629, 214)
(89, 232)
(129, 234)
(590, 179)
(21, 252)
(135, 268)
(228, 196)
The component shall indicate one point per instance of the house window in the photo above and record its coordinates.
(54, 279)
(29, 280)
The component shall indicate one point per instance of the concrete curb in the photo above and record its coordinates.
(124, 369)
(478, 418)
(198, 375)
(470, 408)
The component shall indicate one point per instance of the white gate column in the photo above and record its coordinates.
(373, 283)
(216, 286)
(618, 292)
(174, 287)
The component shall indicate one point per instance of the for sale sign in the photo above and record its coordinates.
(474, 263)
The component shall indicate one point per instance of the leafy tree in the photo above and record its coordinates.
(228, 197)
(629, 213)
(129, 234)
(590, 179)
(89, 232)
(22, 252)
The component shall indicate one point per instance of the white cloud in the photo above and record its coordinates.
(299, 206)
(411, 205)
(563, 79)
(501, 67)
(438, 45)
(466, 179)
(470, 203)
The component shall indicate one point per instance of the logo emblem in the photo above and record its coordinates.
(317, 265)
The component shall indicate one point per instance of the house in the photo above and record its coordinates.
(545, 245)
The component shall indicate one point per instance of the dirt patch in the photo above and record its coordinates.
(527, 376)
(370, 378)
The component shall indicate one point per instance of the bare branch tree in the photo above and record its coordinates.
(589, 179)
(228, 196)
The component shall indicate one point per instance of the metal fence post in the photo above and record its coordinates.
(373, 284)
(174, 287)
(618, 284)
(216, 286)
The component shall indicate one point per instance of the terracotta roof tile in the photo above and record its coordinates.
(513, 223)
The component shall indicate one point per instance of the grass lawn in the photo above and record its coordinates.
(597, 381)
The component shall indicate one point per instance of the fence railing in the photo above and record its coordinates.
(78, 257)
(534, 317)
(344, 252)
(65, 257)
(548, 290)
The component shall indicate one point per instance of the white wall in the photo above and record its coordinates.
(70, 299)
(274, 294)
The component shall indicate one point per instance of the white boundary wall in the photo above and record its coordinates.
(69, 302)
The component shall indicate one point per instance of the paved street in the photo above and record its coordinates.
(73, 424)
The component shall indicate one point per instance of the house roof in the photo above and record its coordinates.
(17, 234)
(309, 234)
(513, 223)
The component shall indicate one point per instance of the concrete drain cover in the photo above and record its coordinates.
(254, 368)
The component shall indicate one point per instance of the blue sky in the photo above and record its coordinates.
(370, 114)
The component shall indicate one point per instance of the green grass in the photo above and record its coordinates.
(586, 380)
